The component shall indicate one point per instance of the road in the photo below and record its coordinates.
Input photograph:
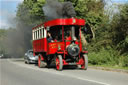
(15, 72)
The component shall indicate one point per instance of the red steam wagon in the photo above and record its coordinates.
(59, 42)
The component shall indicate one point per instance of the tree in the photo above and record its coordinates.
(3, 33)
(30, 12)
(120, 28)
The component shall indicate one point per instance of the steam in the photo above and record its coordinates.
(54, 9)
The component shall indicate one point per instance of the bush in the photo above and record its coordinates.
(123, 61)
(104, 57)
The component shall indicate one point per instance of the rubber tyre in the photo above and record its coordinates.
(41, 64)
(85, 63)
(25, 62)
(59, 63)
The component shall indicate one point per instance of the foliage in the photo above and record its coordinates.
(115, 36)
(120, 36)
(104, 56)
(30, 12)
(3, 33)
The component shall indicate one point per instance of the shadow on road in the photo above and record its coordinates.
(49, 66)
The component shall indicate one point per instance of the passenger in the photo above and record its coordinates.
(56, 39)
(68, 37)
(49, 37)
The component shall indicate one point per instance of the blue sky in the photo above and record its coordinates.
(119, 1)
(8, 10)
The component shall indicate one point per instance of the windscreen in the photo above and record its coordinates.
(56, 33)
(68, 32)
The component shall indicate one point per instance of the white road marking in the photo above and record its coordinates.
(58, 73)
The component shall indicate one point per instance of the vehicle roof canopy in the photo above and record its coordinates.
(62, 21)
(68, 21)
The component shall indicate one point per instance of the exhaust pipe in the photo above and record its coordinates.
(73, 33)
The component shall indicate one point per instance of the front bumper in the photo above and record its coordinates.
(33, 60)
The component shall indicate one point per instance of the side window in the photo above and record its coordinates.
(40, 33)
(37, 34)
(33, 35)
(45, 33)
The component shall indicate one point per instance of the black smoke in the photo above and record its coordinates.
(18, 40)
(54, 9)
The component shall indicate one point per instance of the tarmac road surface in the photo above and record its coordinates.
(15, 72)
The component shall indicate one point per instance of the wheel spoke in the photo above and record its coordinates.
(84, 62)
(59, 62)
(39, 61)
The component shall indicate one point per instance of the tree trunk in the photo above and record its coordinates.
(84, 41)
(93, 33)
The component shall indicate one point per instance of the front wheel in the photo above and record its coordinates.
(84, 62)
(59, 63)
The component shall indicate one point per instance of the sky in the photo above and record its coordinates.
(8, 11)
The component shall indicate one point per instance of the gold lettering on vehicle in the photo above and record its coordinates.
(53, 46)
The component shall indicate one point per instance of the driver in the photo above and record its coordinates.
(49, 37)
(68, 37)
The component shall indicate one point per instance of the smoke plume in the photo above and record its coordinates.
(54, 9)
(18, 40)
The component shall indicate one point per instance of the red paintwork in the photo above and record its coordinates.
(69, 21)
(53, 47)
(40, 45)
(85, 52)
(64, 62)
(42, 57)
(69, 38)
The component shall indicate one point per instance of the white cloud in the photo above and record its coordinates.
(6, 18)
(4, 24)
(7, 15)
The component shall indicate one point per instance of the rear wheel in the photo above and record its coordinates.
(84, 62)
(41, 64)
(59, 63)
